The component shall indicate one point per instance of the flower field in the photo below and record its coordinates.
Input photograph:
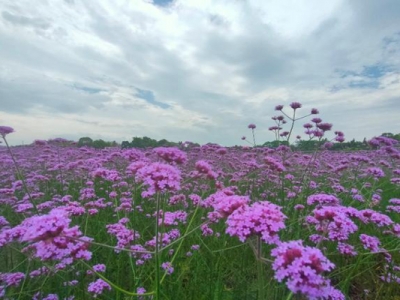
(202, 222)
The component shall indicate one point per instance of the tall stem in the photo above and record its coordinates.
(20, 175)
(157, 258)
(254, 138)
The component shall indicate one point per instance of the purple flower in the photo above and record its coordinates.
(279, 107)
(261, 218)
(295, 105)
(314, 111)
(302, 268)
(167, 266)
(99, 268)
(12, 279)
(97, 287)
(316, 120)
(375, 172)
(159, 177)
(226, 205)
(324, 126)
(370, 242)
(333, 220)
(4, 130)
(252, 126)
(322, 199)
(171, 154)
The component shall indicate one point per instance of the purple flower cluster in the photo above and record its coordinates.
(97, 287)
(171, 155)
(124, 235)
(322, 199)
(158, 177)
(302, 267)
(225, 205)
(50, 237)
(261, 218)
(333, 221)
(4, 130)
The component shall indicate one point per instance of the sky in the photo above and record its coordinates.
(196, 70)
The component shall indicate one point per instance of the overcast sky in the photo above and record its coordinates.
(196, 70)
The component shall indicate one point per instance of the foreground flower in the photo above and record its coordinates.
(262, 218)
(50, 237)
(302, 268)
(4, 130)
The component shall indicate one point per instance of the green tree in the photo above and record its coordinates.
(85, 141)
(99, 144)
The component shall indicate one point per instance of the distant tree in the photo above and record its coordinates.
(85, 141)
(100, 144)
(388, 134)
(125, 145)
(275, 144)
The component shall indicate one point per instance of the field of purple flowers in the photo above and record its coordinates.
(199, 222)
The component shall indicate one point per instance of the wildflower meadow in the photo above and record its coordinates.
(202, 222)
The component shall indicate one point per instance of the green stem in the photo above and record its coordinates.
(180, 245)
(156, 254)
(20, 175)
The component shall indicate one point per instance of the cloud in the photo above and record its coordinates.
(196, 70)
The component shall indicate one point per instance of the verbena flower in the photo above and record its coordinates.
(261, 218)
(159, 177)
(370, 243)
(171, 154)
(295, 105)
(322, 199)
(97, 287)
(4, 130)
(302, 269)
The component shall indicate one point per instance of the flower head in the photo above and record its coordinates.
(314, 111)
(252, 126)
(159, 178)
(302, 268)
(97, 287)
(262, 218)
(295, 105)
(4, 130)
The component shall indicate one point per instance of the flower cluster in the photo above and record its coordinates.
(50, 237)
(159, 177)
(261, 218)
(171, 154)
(302, 267)
(333, 221)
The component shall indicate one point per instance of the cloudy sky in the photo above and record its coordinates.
(196, 70)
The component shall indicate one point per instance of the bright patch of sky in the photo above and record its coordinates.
(198, 70)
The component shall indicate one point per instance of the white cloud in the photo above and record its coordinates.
(212, 66)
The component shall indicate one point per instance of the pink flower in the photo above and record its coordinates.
(167, 266)
(97, 287)
(159, 177)
(262, 218)
(171, 154)
(295, 105)
(370, 242)
(4, 130)
(302, 268)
